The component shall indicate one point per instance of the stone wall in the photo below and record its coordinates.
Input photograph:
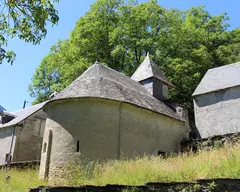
(156, 88)
(28, 142)
(145, 132)
(211, 142)
(217, 113)
(21, 165)
(211, 185)
(103, 130)
(7, 141)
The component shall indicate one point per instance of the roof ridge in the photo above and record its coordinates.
(223, 66)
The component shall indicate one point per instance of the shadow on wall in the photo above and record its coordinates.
(218, 96)
(194, 134)
(6, 132)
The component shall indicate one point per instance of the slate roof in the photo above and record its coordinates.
(100, 81)
(2, 109)
(23, 114)
(147, 69)
(219, 78)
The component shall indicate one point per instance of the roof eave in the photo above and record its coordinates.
(211, 91)
(9, 124)
(179, 118)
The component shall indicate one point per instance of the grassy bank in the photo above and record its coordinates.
(21, 180)
(217, 163)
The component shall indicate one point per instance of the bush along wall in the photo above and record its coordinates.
(211, 142)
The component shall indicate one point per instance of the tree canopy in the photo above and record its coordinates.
(185, 44)
(26, 19)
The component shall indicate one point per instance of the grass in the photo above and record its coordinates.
(21, 180)
(217, 163)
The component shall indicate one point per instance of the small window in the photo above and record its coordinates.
(78, 149)
(44, 147)
(8, 158)
(162, 154)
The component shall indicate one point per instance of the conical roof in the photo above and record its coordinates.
(148, 69)
(100, 81)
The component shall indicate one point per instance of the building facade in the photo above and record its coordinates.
(21, 134)
(217, 101)
(106, 115)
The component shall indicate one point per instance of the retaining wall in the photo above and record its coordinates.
(211, 185)
(211, 142)
(21, 165)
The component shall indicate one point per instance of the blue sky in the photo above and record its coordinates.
(16, 78)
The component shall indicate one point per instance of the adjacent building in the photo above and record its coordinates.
(21, 134)
(217, 101)
(2, 109)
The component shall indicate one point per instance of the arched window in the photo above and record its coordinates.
(78, 149)
(44, 147)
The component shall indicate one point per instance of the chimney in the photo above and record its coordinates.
(54, 94)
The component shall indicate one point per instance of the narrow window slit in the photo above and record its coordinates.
(44, 147)
(78, 150)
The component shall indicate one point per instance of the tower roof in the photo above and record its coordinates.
(148, 69)
(100, 81)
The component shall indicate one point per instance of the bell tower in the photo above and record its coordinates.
(153, 79)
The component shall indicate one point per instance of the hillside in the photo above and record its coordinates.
(216, 163)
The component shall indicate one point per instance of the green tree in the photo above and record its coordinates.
(25, 19)
(88, 42)
(229, 52)
(91, 37)
(56, 71)
(185, 44)
(198, 39)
